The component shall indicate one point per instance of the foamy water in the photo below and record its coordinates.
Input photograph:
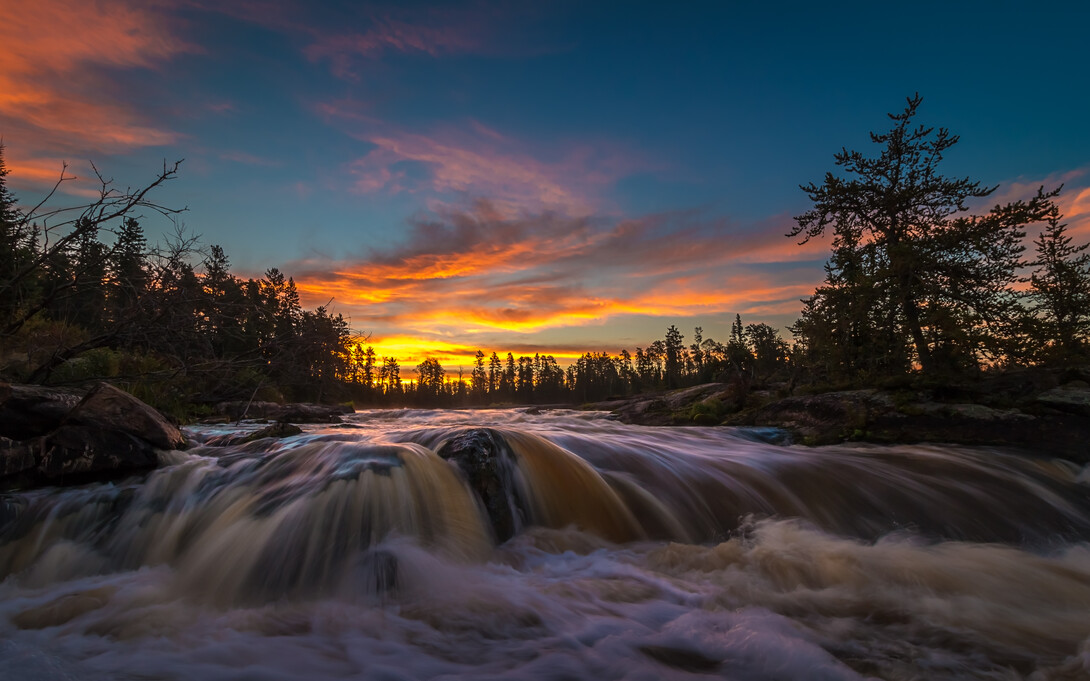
(355, 551)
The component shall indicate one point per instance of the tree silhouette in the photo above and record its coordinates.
(903, 230)
(1060, 293)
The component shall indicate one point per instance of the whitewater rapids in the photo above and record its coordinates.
(577, 548)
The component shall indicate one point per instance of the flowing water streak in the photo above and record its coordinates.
(356, 551)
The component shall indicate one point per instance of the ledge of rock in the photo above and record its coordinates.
(876, 416)
(297, 412)
(279, 429)
(50, 436)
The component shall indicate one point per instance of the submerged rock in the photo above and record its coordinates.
(275, 430)
(379, 571)
(489, 466)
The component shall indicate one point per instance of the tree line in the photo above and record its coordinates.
(919, 282)
(754, 352)
(84, 296)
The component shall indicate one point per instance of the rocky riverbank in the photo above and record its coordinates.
(51, 436)
(54, 436)
(1040, 411)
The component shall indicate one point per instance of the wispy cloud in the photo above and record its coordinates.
(56, 95)
(387, 34)
(250, 159)
(476, 272)
(472, 160)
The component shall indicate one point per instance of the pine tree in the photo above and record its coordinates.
(943, 275)
(1061, 294)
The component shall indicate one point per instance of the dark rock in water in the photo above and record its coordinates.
(49, 436)
(276, 430)
(378, 570)
(489, 466)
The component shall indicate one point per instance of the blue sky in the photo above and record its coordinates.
(553, 176)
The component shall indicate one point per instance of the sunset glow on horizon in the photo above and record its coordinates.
(553, 179)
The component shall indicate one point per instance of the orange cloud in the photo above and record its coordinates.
(55, 94)
(476, 274)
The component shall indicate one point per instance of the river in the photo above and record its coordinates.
(551, 545)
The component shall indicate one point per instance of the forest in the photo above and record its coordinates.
(920, 284)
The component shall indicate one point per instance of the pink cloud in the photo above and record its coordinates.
(391, 35)
(477, 161)
(478, 271)
(55, 95)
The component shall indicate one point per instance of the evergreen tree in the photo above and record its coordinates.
(17, 242)
(738, 350)
(479, 377)
(128, 269)
(944, 274)
(674, 347)
(769, 350)
(509, 378)
(1060, 294)
(495, 375)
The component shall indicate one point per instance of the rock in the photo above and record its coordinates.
(88, 451)
(311, 413)
(277, 430)
(1067, 398)
(298, 412)
(53, 436)
(875, 416)
(34, 410)
(825, 418)
(489, 467)
(670, 408)
(379, 572)
(15, 458)
(108, 407)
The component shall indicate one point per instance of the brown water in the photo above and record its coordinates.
(357, 551)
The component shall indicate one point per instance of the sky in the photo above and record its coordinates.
(553, 177)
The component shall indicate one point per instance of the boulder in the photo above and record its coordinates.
(824, 418)
(277, 430)
(86, 452)
(1069, 398)
(50, 436)
(33, 410)
(108, 407)
(491, 469)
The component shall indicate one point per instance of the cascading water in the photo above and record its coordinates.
(498, 544)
